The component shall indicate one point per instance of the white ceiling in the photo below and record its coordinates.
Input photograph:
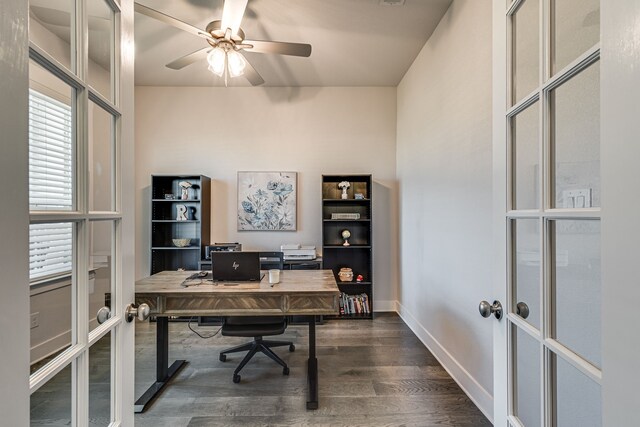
(355, 42)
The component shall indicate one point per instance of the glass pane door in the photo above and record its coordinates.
(554, 291)
(74, 234)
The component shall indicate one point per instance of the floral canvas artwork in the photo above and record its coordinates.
(267, 201)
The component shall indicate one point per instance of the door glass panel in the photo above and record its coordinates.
(100, 281)
(51, 403)
(577, 398)
(527, 378)
(51, 141)
(100, 382)
(576, 28)
(526, 56)
(525, 149)
(527, 270)
(101, 158)
(101, 38)
(576, 287)
(51, 290)
(575, 108)
(50, 25)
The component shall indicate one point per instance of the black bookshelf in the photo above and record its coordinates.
(355, 215)
(165, 198)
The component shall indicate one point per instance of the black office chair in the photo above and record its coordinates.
(257, 327)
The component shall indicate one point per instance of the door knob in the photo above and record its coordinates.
(487, 309)
(140, 311)
(522, 310)
(103, 315)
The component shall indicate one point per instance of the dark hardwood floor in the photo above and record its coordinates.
(372, 373)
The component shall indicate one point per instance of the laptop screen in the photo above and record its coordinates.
(236, 266)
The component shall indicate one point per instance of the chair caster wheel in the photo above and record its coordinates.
(223, 357)
(292, 348)
(236, 378)
(285, 370)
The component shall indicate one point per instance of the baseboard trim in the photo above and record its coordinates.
(472, 388)
(50, 346)
(379, 306)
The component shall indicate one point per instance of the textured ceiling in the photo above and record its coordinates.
(355, 42)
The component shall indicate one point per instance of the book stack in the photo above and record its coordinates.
(354, 304)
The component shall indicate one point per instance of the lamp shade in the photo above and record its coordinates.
(236, 63)
(217, 61)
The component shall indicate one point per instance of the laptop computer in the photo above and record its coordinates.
(236, 266)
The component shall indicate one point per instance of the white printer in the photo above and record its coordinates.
(294, 252)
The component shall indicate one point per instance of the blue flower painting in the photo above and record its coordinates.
(267, 201)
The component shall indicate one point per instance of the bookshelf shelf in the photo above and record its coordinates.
(357, 297)
(347, 247)
(165, 226)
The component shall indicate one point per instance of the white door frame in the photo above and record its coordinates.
(14, 304)
(620, 155)
(125, 347)
(14, 216)
(499, 130)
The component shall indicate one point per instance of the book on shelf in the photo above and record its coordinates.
(354, 304)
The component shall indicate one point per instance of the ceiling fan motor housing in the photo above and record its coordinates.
(215, 29)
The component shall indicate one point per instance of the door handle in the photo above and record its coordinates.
(140, 311)
(487, 309)
(103, 315)
(132, 311)
(522, 310)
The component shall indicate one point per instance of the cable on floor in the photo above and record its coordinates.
(198, 333)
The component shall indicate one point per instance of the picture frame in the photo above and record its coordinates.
(267, 201)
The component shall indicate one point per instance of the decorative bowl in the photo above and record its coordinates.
(181, 243)
(345, 274)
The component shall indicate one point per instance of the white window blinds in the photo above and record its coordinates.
(50, 184)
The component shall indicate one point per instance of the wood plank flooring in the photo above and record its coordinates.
(372, 373)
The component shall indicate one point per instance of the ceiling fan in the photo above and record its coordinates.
(226, 43)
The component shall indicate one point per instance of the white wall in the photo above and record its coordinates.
(313, 131)
(444, 174)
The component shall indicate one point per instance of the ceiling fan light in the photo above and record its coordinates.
(237, 63)
(216, 59)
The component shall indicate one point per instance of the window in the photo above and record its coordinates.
(50, 184)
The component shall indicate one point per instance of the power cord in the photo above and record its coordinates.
(198, 333)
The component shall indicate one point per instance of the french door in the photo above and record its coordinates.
(73, 65)
(548, 346)
(567, 351)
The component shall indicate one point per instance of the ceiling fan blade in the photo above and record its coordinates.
(252, 75)
(232, 13)
(170, 20)
(189, 59)
(281, 48)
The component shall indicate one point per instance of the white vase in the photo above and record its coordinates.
(344, 193)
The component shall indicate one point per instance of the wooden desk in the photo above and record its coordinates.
(300, 292)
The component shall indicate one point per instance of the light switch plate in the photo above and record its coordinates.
(576, 198)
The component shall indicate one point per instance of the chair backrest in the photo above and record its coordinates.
(270, 260)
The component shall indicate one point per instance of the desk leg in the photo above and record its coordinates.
(312, 366)
(164, 372)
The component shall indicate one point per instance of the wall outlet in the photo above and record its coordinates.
(35, 320)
